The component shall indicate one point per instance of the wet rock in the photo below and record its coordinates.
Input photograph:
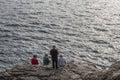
(113, 73)
(116, 76)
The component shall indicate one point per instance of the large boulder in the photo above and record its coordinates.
(72, 71)
(113, 73)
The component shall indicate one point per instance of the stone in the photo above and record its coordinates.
(28, 78)
(72, 71)
(75, 76)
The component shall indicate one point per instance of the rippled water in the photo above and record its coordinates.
(84, 30)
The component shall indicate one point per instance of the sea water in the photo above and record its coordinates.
(82, 30)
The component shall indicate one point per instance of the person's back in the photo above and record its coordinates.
(54, 53)
(54, 56)
(61, 61)
(46, 60)
(34, 60)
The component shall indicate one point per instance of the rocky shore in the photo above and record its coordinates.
(72, 71)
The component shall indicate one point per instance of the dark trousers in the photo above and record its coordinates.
(55, 63)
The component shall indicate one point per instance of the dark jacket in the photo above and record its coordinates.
(54, 53)
(46, 60)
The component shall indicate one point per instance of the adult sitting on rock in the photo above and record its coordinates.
(34, 60)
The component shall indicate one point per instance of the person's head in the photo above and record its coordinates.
(35, 56)
(53, 47)
(61, 56)
(46, 54)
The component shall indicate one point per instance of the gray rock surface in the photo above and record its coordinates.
(72, 71)
(113, 73)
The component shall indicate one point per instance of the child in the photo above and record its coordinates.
(61, 61)
(34, 60)
(46, 60)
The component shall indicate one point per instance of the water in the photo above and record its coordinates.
(83, 30)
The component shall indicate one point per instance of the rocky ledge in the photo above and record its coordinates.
(72, 71)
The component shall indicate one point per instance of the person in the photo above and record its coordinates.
(54, 56)
(46, 60)
(61, 61)
(34, 60)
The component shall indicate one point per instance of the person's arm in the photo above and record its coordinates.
(57, 52)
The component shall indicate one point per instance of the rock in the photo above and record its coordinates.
(72, 71)
(116, 76)
(113, 73)
(75, 76)
(28, 78)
